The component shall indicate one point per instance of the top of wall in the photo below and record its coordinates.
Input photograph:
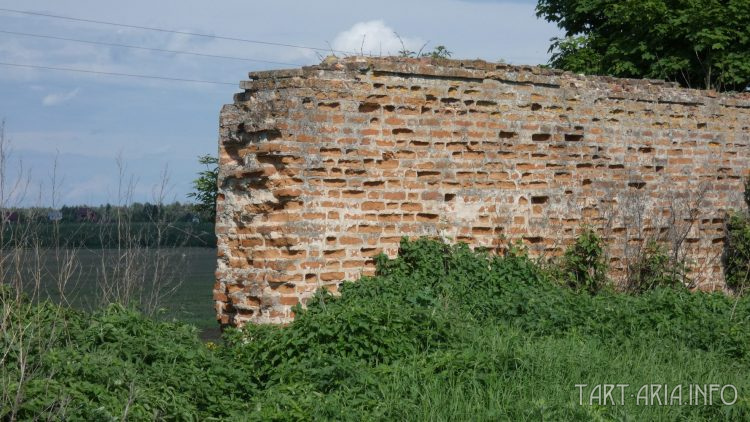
(648, 90)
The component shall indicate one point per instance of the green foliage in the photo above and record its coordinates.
(109, 235)
(583, 265)
(206, 187)
(439, 52)
(701, 44)
(440, 333)
(654, 269)
(737, 252)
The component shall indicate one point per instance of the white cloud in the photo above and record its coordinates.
(374, 38)
(59, 98)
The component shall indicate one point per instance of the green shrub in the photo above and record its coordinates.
(737, 252)
(584, 266)
(654, 268)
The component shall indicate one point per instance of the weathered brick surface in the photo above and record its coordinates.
(323, 167)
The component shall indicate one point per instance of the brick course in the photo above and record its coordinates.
(324, 167)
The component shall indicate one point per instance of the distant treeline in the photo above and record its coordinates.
(108, 226)
(136, 213)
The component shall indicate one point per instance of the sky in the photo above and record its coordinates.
(76, 138)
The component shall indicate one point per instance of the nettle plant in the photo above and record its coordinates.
(737, 248)
(583, 265)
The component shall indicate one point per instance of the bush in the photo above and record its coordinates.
(737, 252)
(654, 268)
(583, 265)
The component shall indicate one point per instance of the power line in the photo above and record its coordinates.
(161, 50)
(149, 28)
(130, 75)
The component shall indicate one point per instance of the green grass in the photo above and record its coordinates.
(190, 270)
(108, 235)
(441, 333)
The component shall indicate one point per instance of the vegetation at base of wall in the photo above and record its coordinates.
(440, 333)
(654, 268)
(583, 265)
(737, 252)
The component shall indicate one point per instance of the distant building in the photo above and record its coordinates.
(86, 214)
(54, 215)
(9, 216)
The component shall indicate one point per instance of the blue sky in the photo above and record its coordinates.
(88, 121)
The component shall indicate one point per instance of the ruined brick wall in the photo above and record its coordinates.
(323, 167)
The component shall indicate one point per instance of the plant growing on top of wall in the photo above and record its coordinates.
(583, 264)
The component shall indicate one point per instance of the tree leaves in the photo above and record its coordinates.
(698, 43)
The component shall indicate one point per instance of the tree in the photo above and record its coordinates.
(698, 43)
(206, 188)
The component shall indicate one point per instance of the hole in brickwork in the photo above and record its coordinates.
(430, 97)
(586, 182)
(428, 173)
(329, 105)
(416, 88)
(389, 108)
(637, 185)
(427, 217)
(374, 120)
(449, 100)
(354, 172)
(471, 91)
(425, 109)
(541, 137)
(469, 102)
(378, 85)
(486, 103)
(616, 166)
(335, 182)
(536, 106)
(533, 239)
(375, 183)
(539, 199)
(570, 137)
(506, 135)
(353, 193)
(584, 165)
(481, 230)
(449, 197)
(401, 130)
(645, 150)
(452, 89)
(659, 168)
(368, 107)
